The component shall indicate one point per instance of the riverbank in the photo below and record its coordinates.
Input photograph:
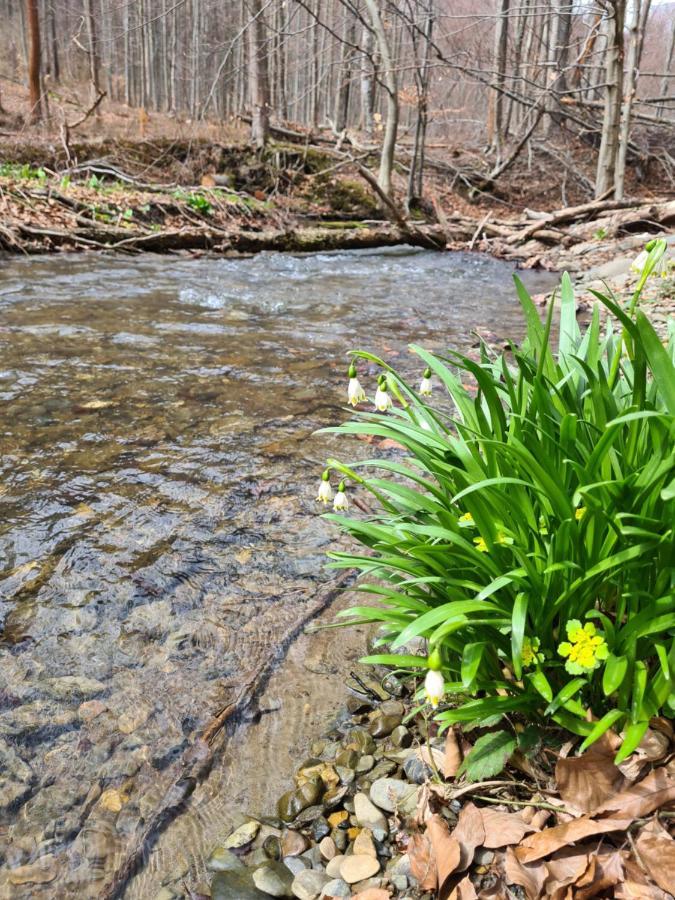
(200, 196)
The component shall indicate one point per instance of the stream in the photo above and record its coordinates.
(158, 526)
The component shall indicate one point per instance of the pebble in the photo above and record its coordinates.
(222, 860)
(43, 871)
(293, 843)
(242, 836)
(274, 879)
(333, 867)
(294, 802)
(90, 709)
(360, 740)
(358, 868)
(272, 847)
(401, 737)
(391, 794)
(337, 818)
(235, 886)
(307, 885)
(69, 685)
(365, 764)
(320, 828)
(336, 888)
(368, 815)
(363, 843)
(327, 848)
(296, 864)
(347, 759)
(416, 770)
(382, 726)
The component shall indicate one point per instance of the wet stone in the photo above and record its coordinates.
(333, 866)
(333, 798)
(340, 838)
(327, 848)
(308, 885)
(365, 764)
(361, 741)
(272, 847)
(274, 879)
(222, 860)
(235, 886)
(392, 708)
(369, 816)
(307, 816)
(347, 759)
(363, 845)
(401, 737)
(320, 828)
(296, 864)
(292, 803)
(293, 843)
(382, 726)
(346, 775)
(43, 871)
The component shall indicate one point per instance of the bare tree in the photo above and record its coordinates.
(259, 91)
(391, 88)
(34, 80)
(615, 12)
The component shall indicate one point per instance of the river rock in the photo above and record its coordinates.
(307, 885)
(296, 864)
(272, 847)
(361, 741)
(348, 759)
(416, 770)
(293, 843)
(43, 871)
(384, 768)
(363, 843)
(345, 775)
(401, 737)
(382, 726)
(333, 867)
(392, 793)
(222, 860)
(293, 802)
(357, 868)
(90, 709)
(274, 879)
(73, 685)
(333, 798)
(327, 848)
(392, 708)
(235, 886)
(365, 764)
(369, 816)
(320, 828)
(336, 888)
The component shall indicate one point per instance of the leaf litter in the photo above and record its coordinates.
(578, 827)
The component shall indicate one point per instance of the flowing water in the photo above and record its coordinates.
(158, 530)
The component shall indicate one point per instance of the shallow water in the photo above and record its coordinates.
(157, 515)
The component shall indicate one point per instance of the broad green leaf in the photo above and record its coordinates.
(614, 673)
(488, 756)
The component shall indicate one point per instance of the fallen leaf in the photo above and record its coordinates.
(531, 877)
(503, 828)
(436, 755)
(452, 758)
(654, 746)
(585, 782)
(546, 842)
(422, 861)
(464, 890)
(656, 849)
(607, 873)
(469, 834)
(656, 789)
(565, 868)
(390, 444)
(446, 850)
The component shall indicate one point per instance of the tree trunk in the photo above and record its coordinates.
(368, 83)
(93, 52)
(258, 79)
(638, 19)
(34, 61)
(496, 102)
(416, 176)
(345, 74)
(391, 127)
(609, 142)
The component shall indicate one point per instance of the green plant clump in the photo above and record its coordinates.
(528, 533)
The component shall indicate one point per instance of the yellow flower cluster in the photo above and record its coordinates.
(530, 654)
(585, 650)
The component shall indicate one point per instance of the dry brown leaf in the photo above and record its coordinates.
(434, 760)
(422, 861)
(464, 890)
(607, 873)
(503, 828)
(654, 746)
(638, 890)
(656, 789)
(540, 818)
(452, 759)
(656, 850)
(565, 868)
(586, 781)
(469, 834)
(531, 877)
(446, 850)
(544, 843)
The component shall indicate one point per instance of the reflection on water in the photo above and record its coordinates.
(157, 518)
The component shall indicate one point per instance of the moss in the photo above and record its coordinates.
(342, 195)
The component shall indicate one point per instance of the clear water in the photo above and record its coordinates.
(157, 515)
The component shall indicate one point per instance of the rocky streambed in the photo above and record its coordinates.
(342, 829)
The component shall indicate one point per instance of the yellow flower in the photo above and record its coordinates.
(503, 539)
(580, 513)
(467, 520)
(585, 650)
(529, 655)
(481, 546)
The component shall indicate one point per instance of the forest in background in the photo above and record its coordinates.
(406, 79)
